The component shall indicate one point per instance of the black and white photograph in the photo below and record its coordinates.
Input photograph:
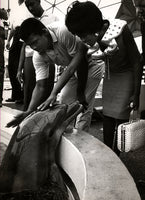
(72, 100)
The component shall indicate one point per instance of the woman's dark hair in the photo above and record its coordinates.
(28, 2)
(83, 17)
(30, 26)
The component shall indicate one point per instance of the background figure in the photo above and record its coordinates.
(13, 62)
(26, 63)
(2, 38)
(26, 73)
(113, 42)
(3, 16)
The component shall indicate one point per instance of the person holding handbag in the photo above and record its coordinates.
(140, 11)
(113, 42)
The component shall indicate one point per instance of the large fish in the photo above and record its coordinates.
(29, 169)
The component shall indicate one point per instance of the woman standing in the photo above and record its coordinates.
(113, 42)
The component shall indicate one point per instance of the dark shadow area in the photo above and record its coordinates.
(135, 163)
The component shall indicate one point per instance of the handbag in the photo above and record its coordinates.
(131, 135)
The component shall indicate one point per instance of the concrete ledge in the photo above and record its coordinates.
(95, 169)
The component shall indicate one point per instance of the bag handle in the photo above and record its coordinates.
(134, 115)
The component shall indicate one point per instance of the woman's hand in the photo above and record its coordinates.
(134, 102)
(48, 103)
(19, 77)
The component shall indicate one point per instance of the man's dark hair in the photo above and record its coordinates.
(83, 17)
(30, 26)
